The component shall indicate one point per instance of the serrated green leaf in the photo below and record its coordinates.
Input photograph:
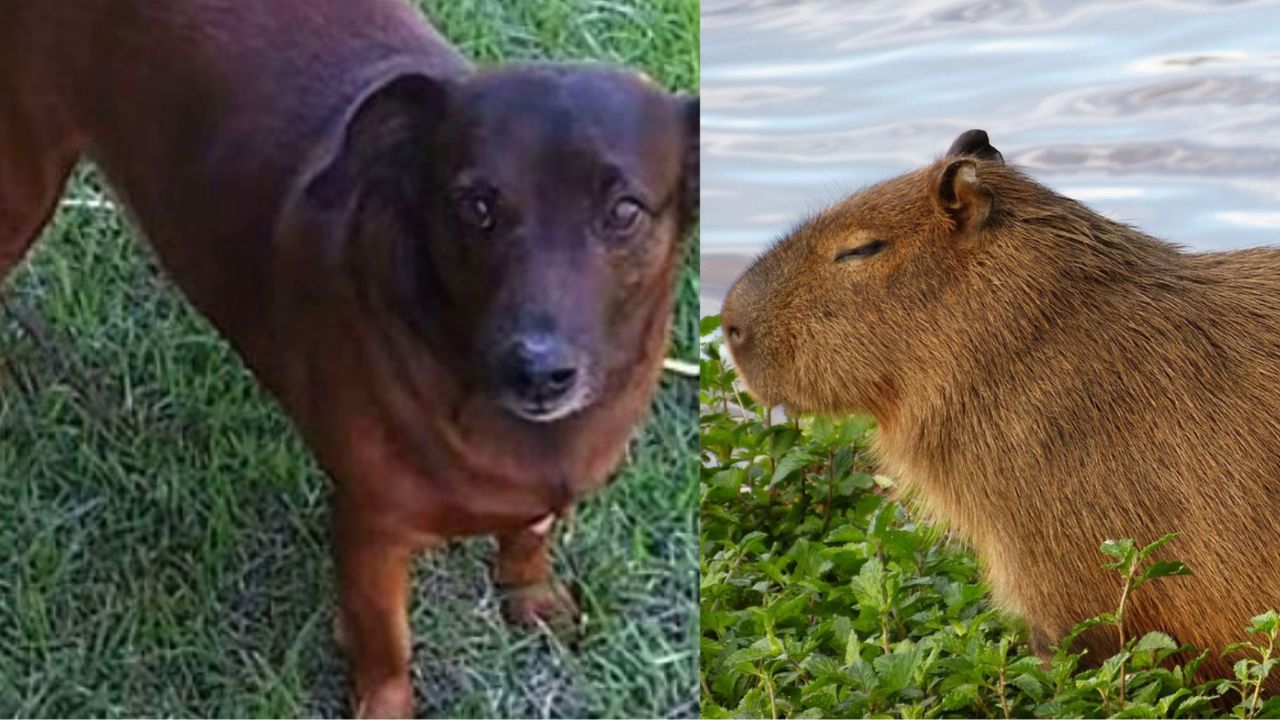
(852, 649)
(746, 655)
(790, 463)
(1028, 684)
(1121, 549)
(1155, 641)
(1164, 568)
(896, 669)
(960, 696)
(1265, 624)
(1146, 551)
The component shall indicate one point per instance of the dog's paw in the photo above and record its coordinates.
(549, 602)
(392, 699)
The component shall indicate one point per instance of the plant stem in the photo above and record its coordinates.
(884, 633)
(773, 703)
(773, 489)
(1124, 597)
(728, 574)
(1004, 701)
(831, 482)
(1257, 687)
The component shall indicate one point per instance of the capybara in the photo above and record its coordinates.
(457, 281)
(1044, 379)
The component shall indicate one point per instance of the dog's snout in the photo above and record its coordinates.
(540, 369)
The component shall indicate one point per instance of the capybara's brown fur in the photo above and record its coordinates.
(1045, 379)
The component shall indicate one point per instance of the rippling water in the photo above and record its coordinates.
(1165, 115)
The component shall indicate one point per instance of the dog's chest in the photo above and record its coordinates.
(446, 485)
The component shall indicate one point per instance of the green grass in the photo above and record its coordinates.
(164, 535)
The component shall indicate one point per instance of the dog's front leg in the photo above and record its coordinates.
(523, 572)
(373, 621)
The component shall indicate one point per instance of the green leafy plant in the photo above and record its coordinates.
(1251, 674)
(822, 596)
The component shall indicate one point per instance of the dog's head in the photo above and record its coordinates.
(525, 222)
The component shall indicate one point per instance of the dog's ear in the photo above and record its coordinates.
(385, 140)
(691, 121)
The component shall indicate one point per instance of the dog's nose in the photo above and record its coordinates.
(540, 369)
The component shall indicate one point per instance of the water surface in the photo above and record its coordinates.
(1165, 115)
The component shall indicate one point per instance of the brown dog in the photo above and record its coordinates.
(457, 282)
(1045, 379)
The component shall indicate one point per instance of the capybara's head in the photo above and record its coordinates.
(877, 288)
(533, 215)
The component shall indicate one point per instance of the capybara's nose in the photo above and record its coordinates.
(732, 322)
(734, 333)
(540, 370)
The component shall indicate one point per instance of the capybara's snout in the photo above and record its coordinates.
(743, 320)
(734, 322)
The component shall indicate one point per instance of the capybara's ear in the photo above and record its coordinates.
(385, 140)
(975, 143)
(691, 181)
(962, 194)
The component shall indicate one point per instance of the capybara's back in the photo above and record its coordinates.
(1046, 379)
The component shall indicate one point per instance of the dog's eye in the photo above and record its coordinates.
(862, 251)
(475, 209)
(624, 217)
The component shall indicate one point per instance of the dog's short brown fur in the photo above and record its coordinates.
(456, 281)
(1046, 379)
